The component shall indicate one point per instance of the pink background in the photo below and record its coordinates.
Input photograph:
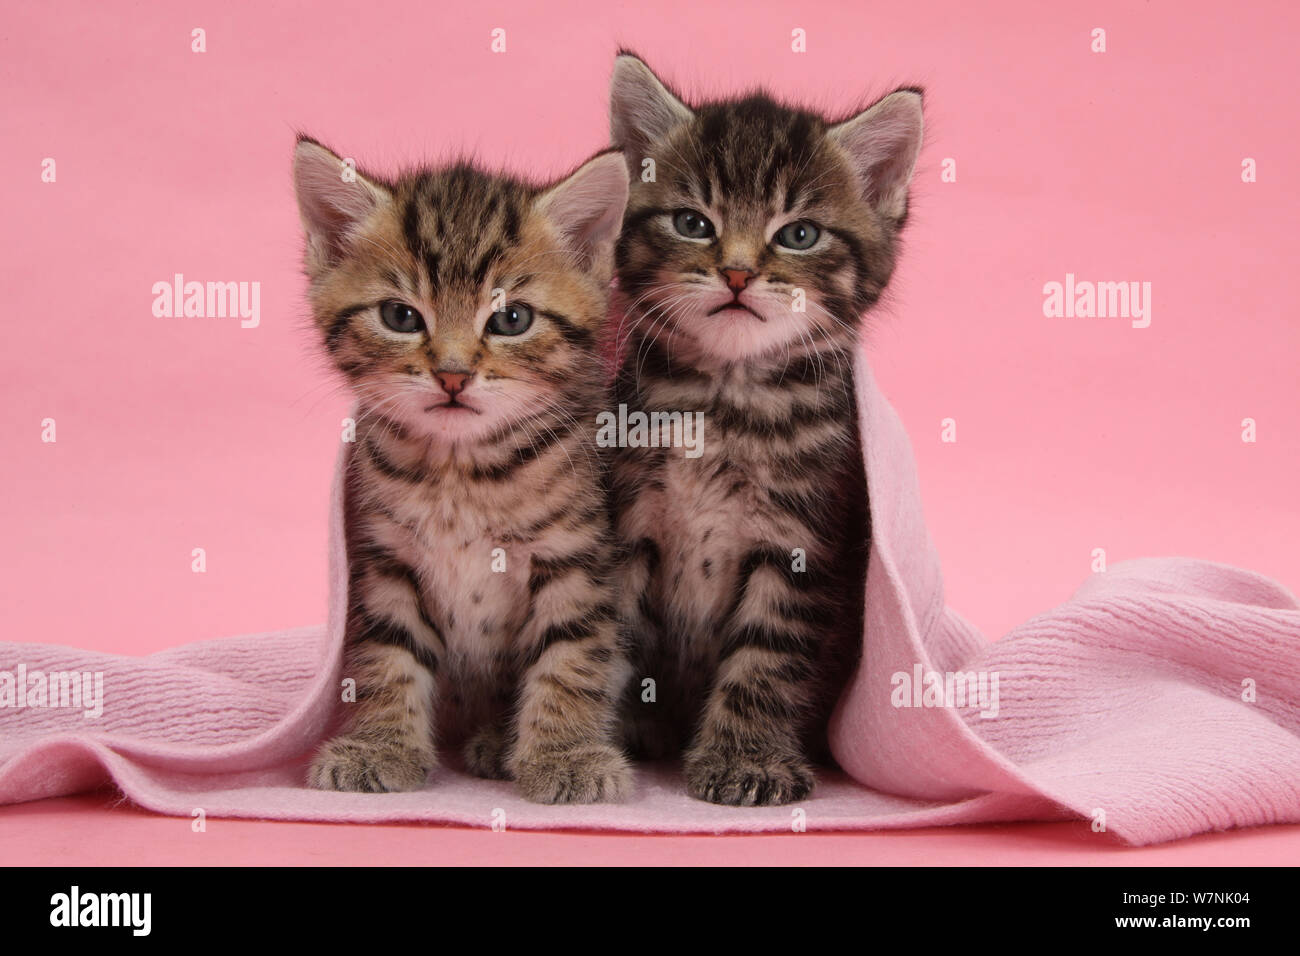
(1073, 434)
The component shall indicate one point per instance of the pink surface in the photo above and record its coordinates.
(1073, 434)
(96, 828)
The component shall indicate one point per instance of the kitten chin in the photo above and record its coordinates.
(711, 330)
(473, 419)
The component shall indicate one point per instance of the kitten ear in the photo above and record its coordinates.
(334, 199)
(587, 209)
(642, 111)
(883, 143)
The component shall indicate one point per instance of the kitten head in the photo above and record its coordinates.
(752, 203)
(459, 303)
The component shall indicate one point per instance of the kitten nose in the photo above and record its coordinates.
(453, 383)
(737, 279)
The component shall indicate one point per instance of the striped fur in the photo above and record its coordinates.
(742, 594)
(480, 551)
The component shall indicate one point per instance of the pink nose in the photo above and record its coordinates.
(737, 279)
(453, 383)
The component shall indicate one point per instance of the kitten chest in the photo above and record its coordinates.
(474, 585)
(710, 513)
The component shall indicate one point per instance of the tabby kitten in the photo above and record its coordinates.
(464, 311)
(747, 260)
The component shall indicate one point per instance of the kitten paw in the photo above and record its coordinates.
(363, 765)
(581, 775)
(485, 754)
(744, 780)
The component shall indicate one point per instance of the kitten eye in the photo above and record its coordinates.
(692, 225)
(798, 235)
(514, 319)
(400, 317)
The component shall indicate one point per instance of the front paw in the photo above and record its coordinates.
(745, 780)
(582, 775)
(485, 754)
(364, 765)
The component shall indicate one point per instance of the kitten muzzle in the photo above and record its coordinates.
(738, 305)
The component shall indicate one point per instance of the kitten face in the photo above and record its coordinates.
(765, 226)
(456, 303)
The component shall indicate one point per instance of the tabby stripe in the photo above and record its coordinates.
(794, 670)
(511, 224)
(381, 560)
(592, 694)
(778, 559)
(493, 253)
(524, 454)
(340, 322)
(384, 562)
(792, 191)
(809, 368)
(573, 334)
(383, 631)
(577, 628)
(816, 614)
(759, 701)
(767, 638)
(556, 516)
(411, 228)
(544, 522)
(731, 418)
(855, 247)
(633, 219)
(777, 159)
(545, 570)
(432, 263)
(654, 363)
(389, 468)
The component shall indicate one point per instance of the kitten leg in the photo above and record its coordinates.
(566, 721)
(645, 715)
(389, 744)
(748, 750)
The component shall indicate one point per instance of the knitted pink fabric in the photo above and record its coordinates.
(1162, 700)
